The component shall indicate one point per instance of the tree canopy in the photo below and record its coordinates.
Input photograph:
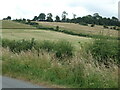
(41, 17)
(94, 19)
(49, 17)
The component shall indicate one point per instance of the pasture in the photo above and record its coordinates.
(76, 28)
(39, 34)
(6, 24)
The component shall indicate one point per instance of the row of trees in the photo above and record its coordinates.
(89, 19)
(42, 17)
(96, 19)
(8, 18)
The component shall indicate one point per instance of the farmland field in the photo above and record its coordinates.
(14, 25)
(55, 62)
(76, 28)
(39, 34)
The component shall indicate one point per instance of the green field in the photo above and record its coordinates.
(76, 28)
(39, 34)
(14, 25)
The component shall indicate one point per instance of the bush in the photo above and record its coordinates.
(92, 25)
(118, 29)
(111, 28)
(57, 28)
(115, 27)
(104, 49)
(47, 45)
(32, 23)
(61, 48)
(18, 46)
(105, 26)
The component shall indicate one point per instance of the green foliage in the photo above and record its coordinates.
(35, 18)
(103, 49)
(18, 46)
(114, 27)
(8, 18)
(61, 48)
(85, 20)
(49, 17)
(64, 14)
(47, 45)
(92, 25)
(105, 26)
(57, 19)
(57, 28)
(76, 74)
(42, 69)
(98, 20)
(41, 17)
(32, 23)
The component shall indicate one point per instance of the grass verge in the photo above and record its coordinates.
(75, 72)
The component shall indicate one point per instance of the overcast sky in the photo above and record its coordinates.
(30, 8)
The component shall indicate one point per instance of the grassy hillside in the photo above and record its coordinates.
(16, 34)
(76, 28)
(40, 61)
(14, 25)
(29, 32)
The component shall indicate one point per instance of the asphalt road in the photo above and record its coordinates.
(14, 83)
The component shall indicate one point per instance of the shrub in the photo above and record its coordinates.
(32, 23)
(57, 28)
(92, 25)
(105, 26)
(104, 49)
(63, 49)
(115, 27)
(47, 45)
(111, 28)
(18, 46)
(118, 29)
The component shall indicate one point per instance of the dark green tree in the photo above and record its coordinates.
(42, 17)
(115, 19)
(64, 14)
(24, 19)
(57, 18)
(8, 18)
(49, 17)
(35, 18)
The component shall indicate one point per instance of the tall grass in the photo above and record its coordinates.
(78, 71)
(61, 48)
(104, 50)
(57, 63)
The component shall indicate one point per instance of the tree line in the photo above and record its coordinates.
(94, 19)
(89, 19)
